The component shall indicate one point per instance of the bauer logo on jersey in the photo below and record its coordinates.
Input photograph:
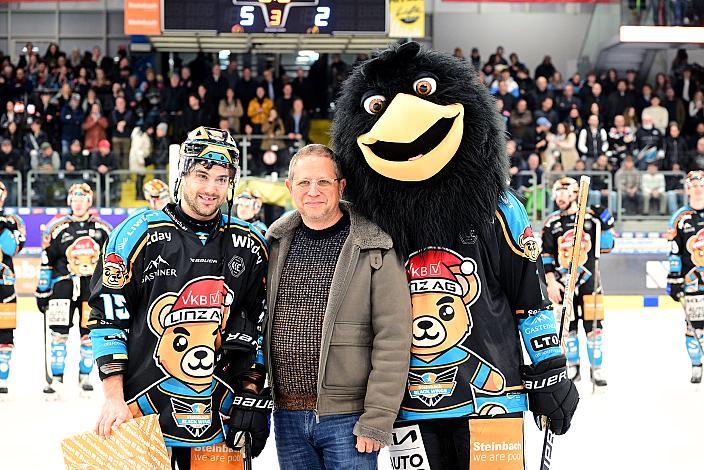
(115, 274)
(529, 244)
(194, 417)
(82, 256)
(188, 324)
(431, 387)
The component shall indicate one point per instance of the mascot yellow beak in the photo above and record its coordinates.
(414, 139)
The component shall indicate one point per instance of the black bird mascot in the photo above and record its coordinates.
(423, 152)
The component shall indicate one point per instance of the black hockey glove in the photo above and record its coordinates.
(551, 393)
(241, 335)
(676, 291)
(43, 304)
(250, 413)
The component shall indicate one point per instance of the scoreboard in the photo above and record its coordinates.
(276, 16)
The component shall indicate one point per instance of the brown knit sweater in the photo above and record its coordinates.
(298, 316)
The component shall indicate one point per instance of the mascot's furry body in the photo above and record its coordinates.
(423, 153)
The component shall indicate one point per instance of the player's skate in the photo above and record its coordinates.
(86, 386)
(52, 391)
(597, 377)
(696, 374)
(573, 372)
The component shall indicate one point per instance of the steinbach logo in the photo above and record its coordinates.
(156, 268)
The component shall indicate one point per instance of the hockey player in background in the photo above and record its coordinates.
(68, 260)
(558, 237)
(157, 194)
(176, 300)
(686, 276)
(249, 205)
(12, 237)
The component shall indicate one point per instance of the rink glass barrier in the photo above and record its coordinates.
(123, 188)
(50, 188)
(264, 155)
(13, 183)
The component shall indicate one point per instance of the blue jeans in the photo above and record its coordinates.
(303, 444)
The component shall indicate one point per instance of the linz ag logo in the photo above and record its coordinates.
(544, 341)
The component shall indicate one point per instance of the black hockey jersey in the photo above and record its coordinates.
(162, 304)
(71, 250)
(12, 238)
(472, 303)
(558, 237)
(686, 235)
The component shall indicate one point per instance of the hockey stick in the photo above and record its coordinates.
(47, 366)
(597, 289)
(567, 304)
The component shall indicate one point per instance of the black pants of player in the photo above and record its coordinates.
(180, 458)
(588, 325)
(64, 290)
(7, 296)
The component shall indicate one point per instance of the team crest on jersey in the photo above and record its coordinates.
(188, 324)
(529, 244)
(82, 256)
(430, 387)
(115, 274)
(193, 417)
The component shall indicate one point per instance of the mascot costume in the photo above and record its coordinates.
(423, 152)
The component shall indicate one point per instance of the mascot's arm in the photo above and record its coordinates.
(113, 288)
(523, 281)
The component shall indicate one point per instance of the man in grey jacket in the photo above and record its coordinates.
(338, 335)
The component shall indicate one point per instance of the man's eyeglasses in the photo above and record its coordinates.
(322, 183)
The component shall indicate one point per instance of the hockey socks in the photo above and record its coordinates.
(693, 349)
(594, 340)
(86, 364)
(58, 353)
(572, 346)
(5, 355)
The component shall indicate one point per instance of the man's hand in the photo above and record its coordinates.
(368, 445)
(555, 290)
(115, 411)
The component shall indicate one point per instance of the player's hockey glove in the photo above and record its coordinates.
(7, 223)
(551, 393)
(603, 215)
(43, 304)
(676, 291)
(250, 413)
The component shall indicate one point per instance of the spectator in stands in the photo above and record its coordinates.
(300, 87)
(160, 147)
(122, 122)
(596, 97)
(209, 110)
(536, 97)
(643, 99)
(574, 120)
(675, 147)
(34, 138)
(476, 59)
(576, 82)
(514, 64)
(609, 82)
(516, 164)
(696, 157)
(693, 138)
(556, 84)
(9, 116)
(618, 101)
(696, 110)
(546, 69)
(95, 127)
(272, 87)
(90, 99)
(686, 86)
(230, 108)
(533, 164)
(174, 98)
(77, 159)
(546, 110)
(567, 102)
(543, 136)
(297, 123)
(284, 103)
(502, 94)
(631, 118)
(103, 161)
(586, 88)
(649, 143)
(72, 118)
(632, 80)
(274, 150)
(216, 85)
(592, 140)
(674, 189)
(52, 54)
(520, 122)
(47, 159)
(258, 109)
(621, 139)
(140, 150)
(497, 57)
(674, 105)
(628, 183)
(525, 84)
(194, 114)
(187, 80)
(564, 146)
(653, 187)
(232, 75)
(9, 157)
(15, 134)
(662, 82)
(599, 193)
(657, 113)
(246, 87)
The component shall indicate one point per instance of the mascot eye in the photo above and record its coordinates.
(180, 343)
(374, 104)
(447, 313)
(425, 86)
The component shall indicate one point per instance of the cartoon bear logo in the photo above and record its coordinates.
(82, 256)
(529, 244)
(694, 280)
(444, 285)
(188, 325)
(115, 274)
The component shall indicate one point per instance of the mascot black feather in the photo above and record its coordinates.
(433, 144)
(423, 152)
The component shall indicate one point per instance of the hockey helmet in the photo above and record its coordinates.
(696, 176)
(156, 189)
(80, 190)
(565, 183)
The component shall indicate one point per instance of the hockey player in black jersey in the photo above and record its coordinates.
(558, 237)
(686, 277)
(249, 206)
(176, 300)
(157, 194)
(12, 238)
(70, 254)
